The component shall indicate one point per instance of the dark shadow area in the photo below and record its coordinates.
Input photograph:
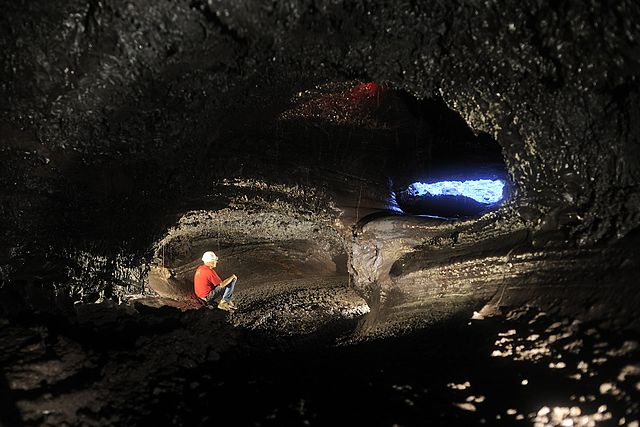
(9, 413)
(456, 373)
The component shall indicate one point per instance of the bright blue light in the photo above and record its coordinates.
(485, 191)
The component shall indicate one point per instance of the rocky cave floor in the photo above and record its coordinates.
(296, 355)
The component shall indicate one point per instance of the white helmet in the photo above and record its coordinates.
(209, 256)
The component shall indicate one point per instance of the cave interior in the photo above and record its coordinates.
(432, 210)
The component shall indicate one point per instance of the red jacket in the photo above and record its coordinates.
(204, 279)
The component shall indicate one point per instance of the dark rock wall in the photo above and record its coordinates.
(554, 84)
(113, 111)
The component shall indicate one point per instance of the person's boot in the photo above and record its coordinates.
(223, 305)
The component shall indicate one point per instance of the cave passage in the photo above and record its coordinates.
(391, 143)
(365, 147)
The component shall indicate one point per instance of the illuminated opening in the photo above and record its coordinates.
(486, 191)
(452, 198)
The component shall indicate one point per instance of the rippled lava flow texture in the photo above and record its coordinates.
(432, 209)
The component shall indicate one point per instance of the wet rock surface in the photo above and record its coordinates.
(408, 268)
